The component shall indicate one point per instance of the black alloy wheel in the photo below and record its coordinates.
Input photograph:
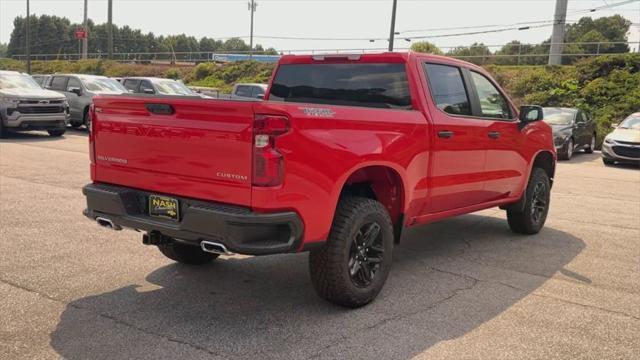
(366, 254)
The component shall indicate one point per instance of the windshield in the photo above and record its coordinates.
(18, 81)
(632, 122)
(103, 85)
(170, 87)
(557, 116)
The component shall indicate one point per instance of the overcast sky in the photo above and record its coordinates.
(326, 19)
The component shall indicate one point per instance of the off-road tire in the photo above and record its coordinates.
(329, 265)
(589, 149)
(186, 254)
(524, 222)
(56, 133)
(564, 153)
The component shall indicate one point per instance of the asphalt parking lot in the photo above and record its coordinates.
(464, 288)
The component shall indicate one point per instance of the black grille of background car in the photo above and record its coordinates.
(36, 102)
(49, 109)
(627, 151)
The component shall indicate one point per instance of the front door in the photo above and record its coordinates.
(505, 167)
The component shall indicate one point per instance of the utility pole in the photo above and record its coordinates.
(110, 30)
(28, 40)
(393, 25)
(85, 40)
(252, 8)
(557, 36)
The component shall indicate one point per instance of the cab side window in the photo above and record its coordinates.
(146, 87)
(58, 83)
(447, 89)
(73, 83)
(492, 103)
(244, 91)
(131, 85)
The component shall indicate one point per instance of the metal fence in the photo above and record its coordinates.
(521, 54)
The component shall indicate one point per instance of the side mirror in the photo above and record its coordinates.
(149, 91)
(529, 114)
(75, 90)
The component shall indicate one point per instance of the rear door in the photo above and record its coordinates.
(185, 146)
(458, 141)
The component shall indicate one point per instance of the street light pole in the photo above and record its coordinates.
(252, 9)
(110, 30)
(393, 25)
(28, 40)
(85, 40)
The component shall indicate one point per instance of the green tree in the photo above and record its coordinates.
(477, 53)
(3, 50)
(425, 47)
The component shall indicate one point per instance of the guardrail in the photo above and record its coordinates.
(521, 52)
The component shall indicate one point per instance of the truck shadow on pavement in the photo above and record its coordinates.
(447, 279)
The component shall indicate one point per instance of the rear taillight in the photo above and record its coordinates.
(268, 163)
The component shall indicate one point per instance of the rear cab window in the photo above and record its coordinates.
(375, 85)
(448, 89)
(131, 84)
(59, 83)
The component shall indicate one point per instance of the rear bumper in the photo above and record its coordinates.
(238, 228)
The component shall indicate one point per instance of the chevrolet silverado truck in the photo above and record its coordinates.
(344, 153)
(25, 106)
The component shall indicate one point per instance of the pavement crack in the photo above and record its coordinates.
(455, 292)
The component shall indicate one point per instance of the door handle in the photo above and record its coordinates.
(494, 134)
(445, 134)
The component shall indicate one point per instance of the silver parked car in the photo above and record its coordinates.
(248, 91)
(623, 144)
(24, 105)
(80, 89)
(158, 86)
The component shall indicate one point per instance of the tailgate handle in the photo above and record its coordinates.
(160, 109)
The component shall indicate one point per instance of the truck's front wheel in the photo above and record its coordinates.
(537, 195)
(352, 267)
(185, 253)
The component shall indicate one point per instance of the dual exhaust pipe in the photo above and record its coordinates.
(206, 246)
(106, 223)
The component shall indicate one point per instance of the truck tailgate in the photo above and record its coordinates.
(199, 148)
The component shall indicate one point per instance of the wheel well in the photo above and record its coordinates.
(544, 160)
(382, 184)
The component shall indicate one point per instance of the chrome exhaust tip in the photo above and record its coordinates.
(214, 247)
(106, 223)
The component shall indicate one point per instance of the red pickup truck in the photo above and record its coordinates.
(344, 152)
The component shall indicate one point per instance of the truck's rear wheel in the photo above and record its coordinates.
(186, 254)
(537, 196)
(352, 267)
